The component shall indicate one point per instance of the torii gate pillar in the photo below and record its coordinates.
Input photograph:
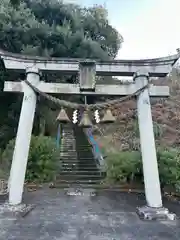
(21, 150)
(154, 208)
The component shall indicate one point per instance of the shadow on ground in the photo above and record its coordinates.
(105, 215)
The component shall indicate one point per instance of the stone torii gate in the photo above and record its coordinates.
(140, 70)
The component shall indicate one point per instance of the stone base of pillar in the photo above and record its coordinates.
(149, 213)
(20, 210)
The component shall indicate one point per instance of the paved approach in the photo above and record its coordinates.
(105, 215)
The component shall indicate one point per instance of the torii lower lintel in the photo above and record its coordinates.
(63, 88)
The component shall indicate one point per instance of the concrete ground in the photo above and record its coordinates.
(105, 215)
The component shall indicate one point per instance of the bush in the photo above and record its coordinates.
(3, 173)
(124, 166)
(169, 166)
(43, 161)
(127, 166)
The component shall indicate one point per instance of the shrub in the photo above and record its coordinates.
(169, 166)
(43, 161)
(124, 166)
(3, 173)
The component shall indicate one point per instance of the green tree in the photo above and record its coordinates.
(15, 2)
(54, 29)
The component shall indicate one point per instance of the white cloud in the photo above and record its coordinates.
(153, 33)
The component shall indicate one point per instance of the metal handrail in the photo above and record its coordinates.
(95, 148)
(59, 136)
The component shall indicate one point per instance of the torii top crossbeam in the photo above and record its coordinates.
(157, 67)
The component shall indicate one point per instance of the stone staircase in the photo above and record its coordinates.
(79, 168)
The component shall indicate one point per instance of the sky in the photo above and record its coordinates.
(150, 28)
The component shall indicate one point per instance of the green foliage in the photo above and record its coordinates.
(124, 166)
(127, 166)
(54, 28)
(15, 3)
(169, 166)
(43, 161)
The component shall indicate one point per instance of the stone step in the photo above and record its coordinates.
(68, 157)
(80, 172)
(68, 136)
(68, 139)
(69, 148)
(97, 186)
(85, 151)
(91, 168)
(68, 133)
(78, 182)
(86, 158)
(79, 177)
(68, 160)
(82, 165)
(68, 151)
(69, 168)
(84, 148)
(86, 161)
(79, 186)
(70, 165)
(80, 160)
(70, 143)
